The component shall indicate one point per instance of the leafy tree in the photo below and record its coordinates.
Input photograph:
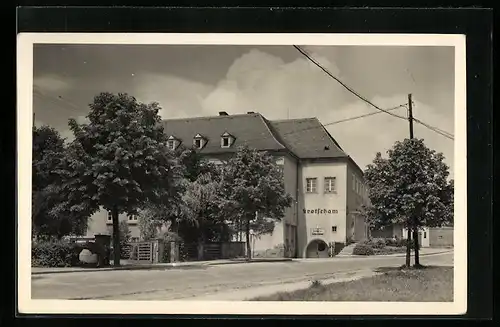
(410, 188)
(194, 164)
(254, 188)
(202, 200)
(118, 160)
(176, 211)
(48, 154)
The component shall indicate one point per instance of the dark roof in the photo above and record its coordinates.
(305, 138)
(247, 129)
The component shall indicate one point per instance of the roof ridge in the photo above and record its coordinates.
(210, 117)
(265, 121)
(292, 119)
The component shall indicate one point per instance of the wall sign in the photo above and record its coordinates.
(317, 231)
(320, 211)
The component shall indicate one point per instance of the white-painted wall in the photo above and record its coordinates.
(319, 212)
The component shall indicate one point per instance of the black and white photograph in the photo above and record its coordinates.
(219, 173)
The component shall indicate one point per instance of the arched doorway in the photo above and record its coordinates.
(317, 249)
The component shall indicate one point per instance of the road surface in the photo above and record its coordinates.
(188, 282)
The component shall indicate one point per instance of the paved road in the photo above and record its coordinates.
(185, 283)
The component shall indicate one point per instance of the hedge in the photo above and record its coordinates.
(55, 254)
(363, 249)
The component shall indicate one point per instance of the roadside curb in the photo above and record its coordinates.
(167, 266)
(392, 255)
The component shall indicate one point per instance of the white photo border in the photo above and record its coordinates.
(26, 305)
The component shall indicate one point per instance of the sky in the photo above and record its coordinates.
(276, 81)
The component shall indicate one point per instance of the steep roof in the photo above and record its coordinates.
(247, 129)
(307, 138)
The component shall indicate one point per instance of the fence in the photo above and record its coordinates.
(213, 250)
(143, 251)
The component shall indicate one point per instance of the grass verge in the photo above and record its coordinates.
(429, 284)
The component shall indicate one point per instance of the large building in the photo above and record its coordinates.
(325, 183)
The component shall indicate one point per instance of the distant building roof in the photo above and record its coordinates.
(305, 138)
(247, 129)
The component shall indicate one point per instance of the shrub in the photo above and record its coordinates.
(363, 249)
(402, 243)
(394, 242)
(376, 243)
(55, 254)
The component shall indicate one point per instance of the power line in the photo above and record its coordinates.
(365, 115)
(303, 52)
(435, 129)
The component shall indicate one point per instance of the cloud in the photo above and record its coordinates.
(264, 83)
(177, 97)
(363, 138)
(52, 83)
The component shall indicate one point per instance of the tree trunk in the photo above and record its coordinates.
(116, 237)
(417, 247)
(408, 249)
(247, 232)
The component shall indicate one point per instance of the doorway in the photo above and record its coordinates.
(317, 249)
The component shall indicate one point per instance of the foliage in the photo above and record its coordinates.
(119, 160)
(148, 225)
(125, 234)
(411, 182)
(202, 202)
(363, 249)
(377, 243)
(409, 187)
(55, 253)
(194, 164)
(253, 183)
(48, 152)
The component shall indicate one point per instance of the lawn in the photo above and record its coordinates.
(431, 284)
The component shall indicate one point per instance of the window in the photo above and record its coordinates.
(171, 144)
(226, 140)
(334, 228)
(197, 143)
(330, 185)
(425, 234)
(132, 218)
(110, 216)
(311, 185)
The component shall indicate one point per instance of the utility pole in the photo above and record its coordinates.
(410, 115)
(415, 229)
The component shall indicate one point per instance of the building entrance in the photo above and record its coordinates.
(317, 249)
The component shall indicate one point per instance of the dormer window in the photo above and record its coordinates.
(199, 141)
(172, 142)
(226, 140)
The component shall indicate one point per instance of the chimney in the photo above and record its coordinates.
(223, 113)
(250, 112)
